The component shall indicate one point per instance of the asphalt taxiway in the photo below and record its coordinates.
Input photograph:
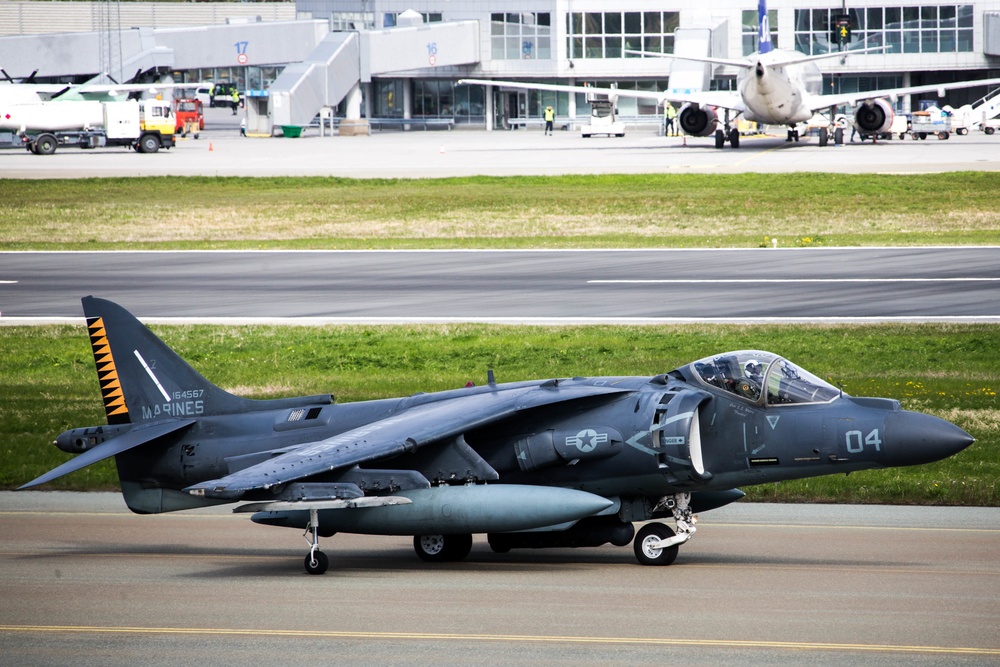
(220, 151)
(85, 581)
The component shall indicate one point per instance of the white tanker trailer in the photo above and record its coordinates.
(144, 125)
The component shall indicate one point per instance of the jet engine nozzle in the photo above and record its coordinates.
(913, 438)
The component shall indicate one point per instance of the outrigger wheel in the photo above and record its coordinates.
(316, 561)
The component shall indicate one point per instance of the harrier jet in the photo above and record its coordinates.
(558, 462)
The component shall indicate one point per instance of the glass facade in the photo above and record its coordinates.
(521, 36)
(926, 29)
(620, 34)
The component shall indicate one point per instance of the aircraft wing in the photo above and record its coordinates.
(713, 98)
(824, 102)
(405, 431)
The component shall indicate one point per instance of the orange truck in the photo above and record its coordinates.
(190, 118)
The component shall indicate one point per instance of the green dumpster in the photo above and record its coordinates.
(292, 131)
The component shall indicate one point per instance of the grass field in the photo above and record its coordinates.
(948, 370)
(656, 210)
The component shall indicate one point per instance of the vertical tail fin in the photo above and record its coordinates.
(763, 28)
(141, 378)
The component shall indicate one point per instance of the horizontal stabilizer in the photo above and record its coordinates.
(333, 504)
(133, 438)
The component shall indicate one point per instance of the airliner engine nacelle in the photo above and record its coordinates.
(874, 116)
(698, 120)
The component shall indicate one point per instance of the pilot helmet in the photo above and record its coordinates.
(753, 367)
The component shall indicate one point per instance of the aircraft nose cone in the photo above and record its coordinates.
(913, 438)
(760, 69)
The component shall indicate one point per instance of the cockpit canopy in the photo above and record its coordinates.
(746, 373)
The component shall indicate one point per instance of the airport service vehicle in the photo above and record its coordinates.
(145, 125)
(553, 462)
(924, 123)
(188, 117)
(603, 116)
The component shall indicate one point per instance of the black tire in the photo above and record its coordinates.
(734, 138)
(46, 144)
(989, 130)
(824, 136)
(838, 136)
(720, 138)
(943, 135)
(442, 548)
(317, 563)
(651, 533)
(148, 143)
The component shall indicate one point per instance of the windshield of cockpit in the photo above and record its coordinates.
(747, 372)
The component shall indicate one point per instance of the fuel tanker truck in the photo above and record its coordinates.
(144, 125)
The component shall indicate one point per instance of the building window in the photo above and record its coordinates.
(437, 98)
(521, 36)
(928, 29)
(389, 19)
(620, 34)
(750, 40)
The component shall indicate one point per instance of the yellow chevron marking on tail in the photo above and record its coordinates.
(107, 373)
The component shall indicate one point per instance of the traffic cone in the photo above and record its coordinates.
(210, 148)
(441, 150)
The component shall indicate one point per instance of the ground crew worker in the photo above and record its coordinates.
(550, 116)
(211, 95)
(243, 126)
(236, 100)
(669, 114)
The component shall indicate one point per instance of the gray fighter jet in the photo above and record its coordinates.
(568, 462)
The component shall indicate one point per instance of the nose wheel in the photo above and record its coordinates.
(656, 543)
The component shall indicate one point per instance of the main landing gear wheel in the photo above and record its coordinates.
(824, 136)
(720, 138)
(316, 562)
(734, 138)
(442, 548)
(645, 543)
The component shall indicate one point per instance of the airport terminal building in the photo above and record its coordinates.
(401, 59)
(581, 41)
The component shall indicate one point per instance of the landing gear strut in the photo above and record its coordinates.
(730, 134)
(316, 561)
(657, 544)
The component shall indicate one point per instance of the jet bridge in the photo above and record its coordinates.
(344, 60)
(688, 76)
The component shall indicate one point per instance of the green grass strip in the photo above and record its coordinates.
(607, 211)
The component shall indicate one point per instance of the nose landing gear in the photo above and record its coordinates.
(657, 544)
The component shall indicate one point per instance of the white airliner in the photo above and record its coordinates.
(774, 87)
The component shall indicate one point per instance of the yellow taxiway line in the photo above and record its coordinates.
(424, 636)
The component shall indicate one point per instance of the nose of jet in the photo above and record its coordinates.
(912, 438)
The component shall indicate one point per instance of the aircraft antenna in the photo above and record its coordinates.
(490, 378)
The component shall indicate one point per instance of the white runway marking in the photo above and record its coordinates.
(753, 281)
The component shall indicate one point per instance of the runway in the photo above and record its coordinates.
(86, 582)
(617, 286)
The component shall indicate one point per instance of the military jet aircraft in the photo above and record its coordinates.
(562, 462)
